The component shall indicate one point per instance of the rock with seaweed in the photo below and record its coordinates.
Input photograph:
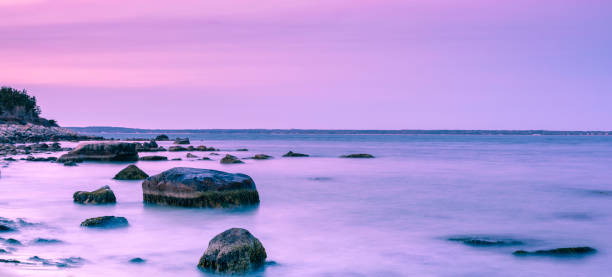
(195, 187)
(235, 251)
(131, 172)
(103, 195)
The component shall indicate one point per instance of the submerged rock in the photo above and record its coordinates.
(162, 137)
(46, 241)
(357, 156)
(103, 195)
(131, 172)
(102, 151)
(261, 157)
(485, 241)
(105, 222)
(558, 252)
(229, 159)
(233, 251)
(138, 260)
(154, 158)
(195, 187)
(181, 141)
(293, 154)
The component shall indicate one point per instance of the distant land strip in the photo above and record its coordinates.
(123, 130)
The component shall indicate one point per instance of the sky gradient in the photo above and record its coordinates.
(320, 64)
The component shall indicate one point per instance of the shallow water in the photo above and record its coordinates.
(326, 216)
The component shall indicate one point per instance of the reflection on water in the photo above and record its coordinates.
(392, 215)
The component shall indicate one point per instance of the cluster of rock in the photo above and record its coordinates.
(150, 146)
(11, 149)
(16, 133)
(201, 148)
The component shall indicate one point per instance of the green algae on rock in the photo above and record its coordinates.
(131, 172)
(103, 195)
(105, 222)
(195, 187)
(234, 251)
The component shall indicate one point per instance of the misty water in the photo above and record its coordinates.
(326, 216)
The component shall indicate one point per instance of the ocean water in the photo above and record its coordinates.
(327, 216)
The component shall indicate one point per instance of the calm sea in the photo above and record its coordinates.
(327, 216)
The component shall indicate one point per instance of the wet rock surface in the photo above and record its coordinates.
(234, 251)
(195, 187)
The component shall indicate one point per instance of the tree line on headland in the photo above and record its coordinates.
(17, 107)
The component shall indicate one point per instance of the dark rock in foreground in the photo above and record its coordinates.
(102, 151)
(195, 187)
(357, 156)
(261, 157)
(485, 241)
(154, 158)
(229, 159)
(131, 172)
(293, 154)
(181, 141)
(103, 195)
(105, 222)
(234, 251)
(558, 252)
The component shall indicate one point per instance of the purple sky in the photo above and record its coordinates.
(328, 64)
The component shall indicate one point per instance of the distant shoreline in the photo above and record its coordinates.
(124, 130)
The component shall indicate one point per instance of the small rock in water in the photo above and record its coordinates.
(181, 141)
(229, 159)
(242, 149)
(105, 222)
(103, 195)
(358, 156)
(70, 163)
(177, 159)
(206, 159)
(154, 158)
(162, 137)
(261, 157)
(13, 242)
(138, 260)
(176, 148)
(189, 155)
(9, 261)
(5, 228)
(131, 172)
(558, 252)
(233, 251)
(485, 241)
(46, 241)
(293, 154)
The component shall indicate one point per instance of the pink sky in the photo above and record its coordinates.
(313, 64)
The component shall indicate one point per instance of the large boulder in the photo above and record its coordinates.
(131, 172)
(195, 187)
(102, 151)
(105, 222)
(103, 195)
(234, 251)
